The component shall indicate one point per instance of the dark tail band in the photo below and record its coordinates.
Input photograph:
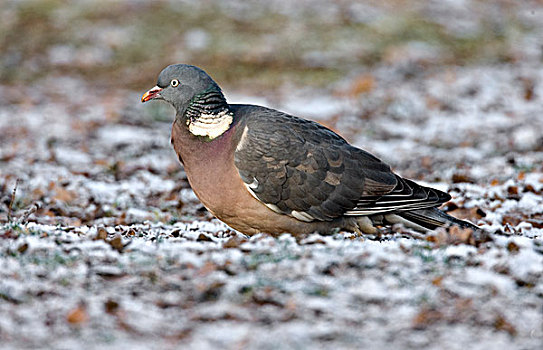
(433, 218)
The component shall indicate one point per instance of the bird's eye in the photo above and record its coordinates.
(174, 83)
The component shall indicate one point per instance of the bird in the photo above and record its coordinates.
(260, 170)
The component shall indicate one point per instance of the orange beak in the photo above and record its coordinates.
(151, 94)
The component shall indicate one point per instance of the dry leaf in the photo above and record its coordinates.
(437, 281)
(116, 242)
(234, 242)
(513, 248)
(111, 306)
(536, 223)
(426, 317)
(101, 234)
(207, 269)
(472, 214)
(512, 220)
(203, 238)
(361, 85)
(512, 190)
(458, 178)
(501, 324)
(78, 315)
(22, 248)
(63, 194)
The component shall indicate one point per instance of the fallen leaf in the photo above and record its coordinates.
(116, 242)
(513, 248)
(458, 178)
(472, 214)
(176, 233)
(234, 242)
(63, 194)
(361, 85)
(536, 223)
(459, 235)
(513, 190)
(111, 306)
(101, 234)
(211, 291)
(207, 269)
(203, 238)
(78, 315)
(22, 248)
(501, 324)
(425, 317)
(437, 281)
(511, 219)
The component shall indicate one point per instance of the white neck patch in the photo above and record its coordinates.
(210, 125)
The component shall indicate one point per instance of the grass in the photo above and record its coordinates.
(256, 259)
(425, 252)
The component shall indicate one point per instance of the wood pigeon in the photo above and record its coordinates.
(261, 170)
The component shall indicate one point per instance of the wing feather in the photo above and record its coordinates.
(305, 170)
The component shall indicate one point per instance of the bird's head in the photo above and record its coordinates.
(179, 84)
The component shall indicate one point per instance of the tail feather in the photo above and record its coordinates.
(433, 218)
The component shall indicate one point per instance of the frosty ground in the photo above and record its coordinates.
(104, 245)
(121, 252)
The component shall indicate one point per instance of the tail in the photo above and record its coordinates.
(433, 218)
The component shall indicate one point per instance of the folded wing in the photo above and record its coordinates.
(302, 169)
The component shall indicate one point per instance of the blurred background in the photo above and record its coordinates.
(257, 44)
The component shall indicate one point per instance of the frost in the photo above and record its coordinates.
(122, 254)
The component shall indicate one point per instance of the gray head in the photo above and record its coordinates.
(179, 84)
